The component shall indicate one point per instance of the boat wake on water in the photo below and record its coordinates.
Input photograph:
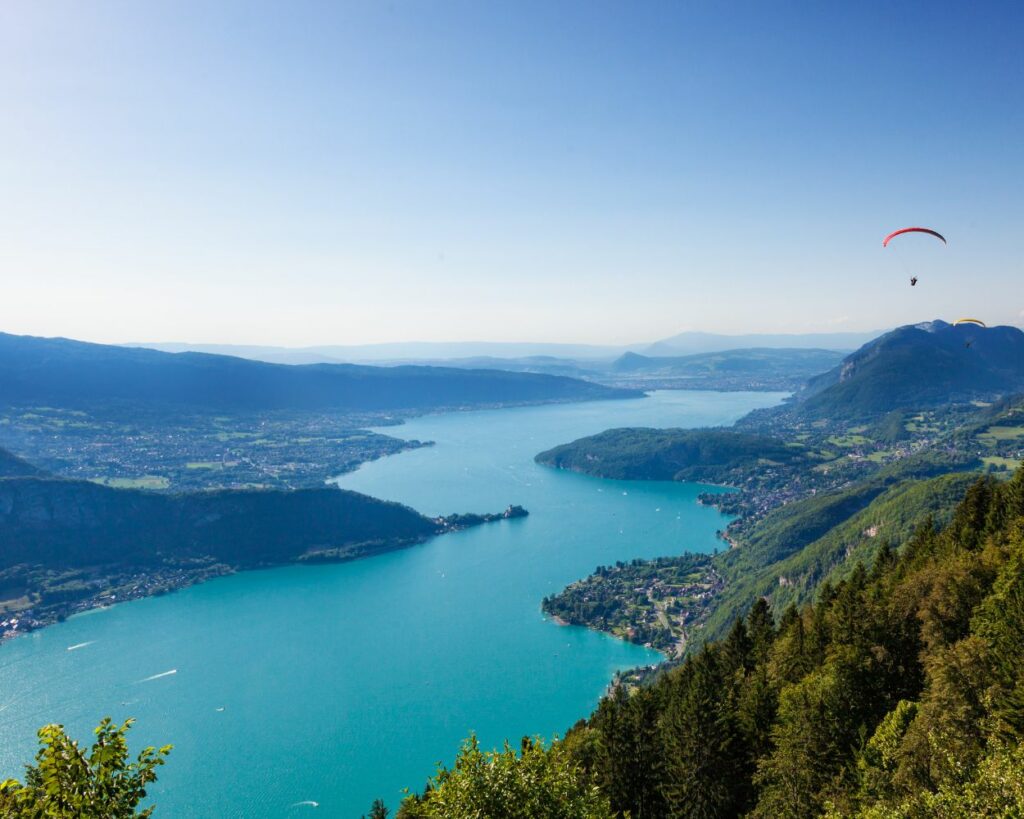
(77, 646)
(158, 676)
(308, 803)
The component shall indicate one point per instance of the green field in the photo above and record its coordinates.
(142, 482)
(848, 440)
(998, 462)
(997, 433)
(921, 423)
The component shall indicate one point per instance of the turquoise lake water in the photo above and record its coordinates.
(343, 683)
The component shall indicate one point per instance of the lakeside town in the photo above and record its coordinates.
(180, 453)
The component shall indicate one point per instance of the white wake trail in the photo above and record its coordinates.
(158, 676)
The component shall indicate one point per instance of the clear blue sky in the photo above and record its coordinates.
(305, 173)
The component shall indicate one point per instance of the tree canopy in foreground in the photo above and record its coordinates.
(67, 783)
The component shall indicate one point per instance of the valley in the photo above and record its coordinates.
(689, 526)
(446, 410)
(360, 655)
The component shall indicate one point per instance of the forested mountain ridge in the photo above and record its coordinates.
(898, 693)
(64, 373)
(765, 368)
(919, 366)
(690, 343)
(68, 524)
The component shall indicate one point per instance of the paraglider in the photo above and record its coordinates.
(976, 322)
(901, 231)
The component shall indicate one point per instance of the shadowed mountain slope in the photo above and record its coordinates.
(66, 524)
(11, 466)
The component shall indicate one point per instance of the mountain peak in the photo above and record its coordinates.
(920, 365)
(933, 326)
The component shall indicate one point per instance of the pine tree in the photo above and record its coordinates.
(968, 526)
(735, 657)
(378, 810)
(630, 765)
(809, 748)
(761, 629)
(702, 777)
(756, 714)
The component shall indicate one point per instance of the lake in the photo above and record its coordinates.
(343, 683)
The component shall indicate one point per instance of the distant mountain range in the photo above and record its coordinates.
(63, 373)
(548, 364)
(688, 343)
(392, 352)
(794, 365)
(919, 366)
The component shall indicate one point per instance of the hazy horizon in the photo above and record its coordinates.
(638, 346)
(581, 173)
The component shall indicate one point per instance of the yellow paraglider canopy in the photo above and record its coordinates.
(979, 322)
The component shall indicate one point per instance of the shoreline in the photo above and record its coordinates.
(677, 591)
(134, 584)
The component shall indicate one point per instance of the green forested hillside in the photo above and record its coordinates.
(68, 524)
(898, 693)
(788, 556)
(713, 455)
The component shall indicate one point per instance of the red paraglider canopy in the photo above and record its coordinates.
(929, 231)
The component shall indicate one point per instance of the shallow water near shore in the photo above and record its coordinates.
(338, 684)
